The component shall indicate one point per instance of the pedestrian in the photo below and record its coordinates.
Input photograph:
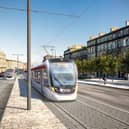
(104, 79)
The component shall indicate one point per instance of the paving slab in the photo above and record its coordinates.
(16, 115)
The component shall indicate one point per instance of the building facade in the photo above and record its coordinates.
(3, 64)
(116, 42)
(13, 64)
(76, 52)
(10, 64)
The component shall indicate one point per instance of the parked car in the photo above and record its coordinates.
(2, 74)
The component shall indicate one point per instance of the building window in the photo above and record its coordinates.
(105, 38)
(123, 42)
(119, 44)
(104, 47)
(98, 48)
(108, 37)
(114, 36)
(110, 45)
(113, 45)
(121, 33)
(98, 40)
(126, 31)
(127, 41)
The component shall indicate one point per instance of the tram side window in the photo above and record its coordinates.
(39, 74)
(36, 75)
(45, 78)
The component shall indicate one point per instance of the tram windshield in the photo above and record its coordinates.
(63, 74)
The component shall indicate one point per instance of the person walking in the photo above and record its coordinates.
(104, 79)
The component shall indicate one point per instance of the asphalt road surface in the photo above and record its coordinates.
(118, 98)
(95, 108)
(5, 89)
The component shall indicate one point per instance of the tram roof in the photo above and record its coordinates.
(50, 60)
(38, 67)
(59, 60)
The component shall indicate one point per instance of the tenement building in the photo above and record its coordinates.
(10, 64)
(2, 61)
(116, 42)
(76, 52)
(13, 64)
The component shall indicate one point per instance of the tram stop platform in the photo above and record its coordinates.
(16, 115)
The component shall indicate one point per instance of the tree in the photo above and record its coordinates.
(125, 63)
(113, 64)
(102, 64)
(79, 67)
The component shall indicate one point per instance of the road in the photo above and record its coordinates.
(95, 108)
(5, 89)
(118, 98)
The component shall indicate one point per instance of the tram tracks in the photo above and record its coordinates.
(89, 116)
(91, 111)
(101, 109)
(74, 123)
(81, 115)
(67, 118)
(71, 115)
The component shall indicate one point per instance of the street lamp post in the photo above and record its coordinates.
(29, 55)
(17, 60)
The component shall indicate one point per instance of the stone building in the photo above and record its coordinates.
(13, 64)
(76, 52)
(10, 64)
(116, 42)
(3, 64)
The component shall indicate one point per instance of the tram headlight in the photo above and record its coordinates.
(57, 89)
(61, 90)
(52, 88)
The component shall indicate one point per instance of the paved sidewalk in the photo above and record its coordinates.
(17, 117)
(122, 84)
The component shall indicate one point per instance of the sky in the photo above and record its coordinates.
(57, 30)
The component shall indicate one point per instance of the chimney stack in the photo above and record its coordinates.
(113, 29)
(101, 33)
(92, 37)
(127, 23)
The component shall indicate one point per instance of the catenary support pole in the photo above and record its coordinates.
(29, 54)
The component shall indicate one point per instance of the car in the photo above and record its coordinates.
(2, 74)
(10, 74)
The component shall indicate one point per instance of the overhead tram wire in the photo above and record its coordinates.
(66, 27)
(40, 11)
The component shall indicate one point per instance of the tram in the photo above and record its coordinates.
(56, 79)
